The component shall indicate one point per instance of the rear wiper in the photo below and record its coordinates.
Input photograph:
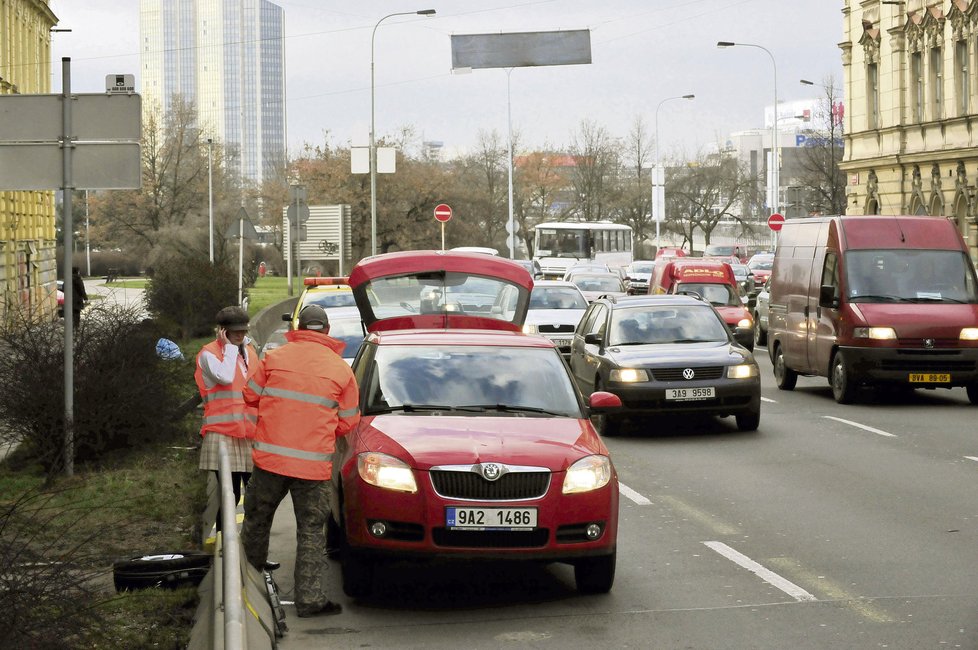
(510, 409)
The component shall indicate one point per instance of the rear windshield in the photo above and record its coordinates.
(473, 379)
(719, 295)
(441, 292)
(556, 298)
(327, 299)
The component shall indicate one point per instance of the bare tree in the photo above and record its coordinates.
(597, 166)
(635, 191)
(822, 185)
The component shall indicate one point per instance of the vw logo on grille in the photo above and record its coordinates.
(688, 373)
(928, 343)
(491, 471)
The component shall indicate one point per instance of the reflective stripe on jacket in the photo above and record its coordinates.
(225, 410)
(306, 397)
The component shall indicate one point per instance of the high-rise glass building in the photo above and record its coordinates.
(228, 58)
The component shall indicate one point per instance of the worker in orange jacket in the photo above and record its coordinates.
(222, 370)
(306, 397)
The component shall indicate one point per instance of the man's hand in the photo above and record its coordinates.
(222, 336)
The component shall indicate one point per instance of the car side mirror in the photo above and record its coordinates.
(287, 317)
(744, 336)
(592, 339)
(827, 297)
(601, 402)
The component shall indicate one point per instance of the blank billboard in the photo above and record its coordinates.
(521, 49)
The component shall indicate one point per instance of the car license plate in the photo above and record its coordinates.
(562, 343)
(685, 394)
(464, 518)
(930, 378)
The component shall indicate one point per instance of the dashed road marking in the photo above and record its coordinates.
(768, 399)
(878, 432)
(633, 495)
(762, 572)
(974, 458)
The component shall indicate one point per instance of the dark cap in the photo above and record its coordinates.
(313, 317)
(233, 319)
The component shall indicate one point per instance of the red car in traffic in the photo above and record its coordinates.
(474, 442)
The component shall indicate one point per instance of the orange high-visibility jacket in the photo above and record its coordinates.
(225, 410)
(306, 397)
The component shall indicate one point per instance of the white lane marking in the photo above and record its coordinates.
(633, 495)
(761, 572)
(768, 399)
(974, 458)
(861, 426)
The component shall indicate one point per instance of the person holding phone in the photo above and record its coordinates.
(223, 368)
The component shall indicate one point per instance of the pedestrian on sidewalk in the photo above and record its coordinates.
(223, 368)
(306, 397)
(78, 295)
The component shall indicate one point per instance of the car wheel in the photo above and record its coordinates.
(760, 336)
(595, 575)
(357, 572)
(607, 425)
(784, 377)
(843, 389)
(748, 420)
(167, 570)
(334, 537)
(973, 393)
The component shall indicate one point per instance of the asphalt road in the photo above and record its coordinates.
(830, 527)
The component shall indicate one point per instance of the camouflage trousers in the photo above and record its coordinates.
(310, 500)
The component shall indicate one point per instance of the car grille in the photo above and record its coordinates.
(927, 361)
(676, 374)
(509, 487)
(490, 538)
(554, 329)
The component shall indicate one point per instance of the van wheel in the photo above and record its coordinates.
(760, 336)
(785, 377)
(843, 389)
(973, 393)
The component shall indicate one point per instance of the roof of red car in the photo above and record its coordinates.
(461, 337)
(405, 262)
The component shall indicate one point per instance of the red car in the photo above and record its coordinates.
(474, 441)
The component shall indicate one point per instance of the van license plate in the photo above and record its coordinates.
(686, 394)
(930, 378)
(459, 517)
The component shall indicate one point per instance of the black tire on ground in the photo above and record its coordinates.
(748, 420)
(334, 537)
(168, 570)
(840, 378)
(760, 336)
(973, 393)
(358, 574)
(595, 575)
(784, 377)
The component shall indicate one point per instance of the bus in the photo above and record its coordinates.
(558, 245)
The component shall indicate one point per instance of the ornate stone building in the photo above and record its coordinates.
(28, 258)
(911, 84)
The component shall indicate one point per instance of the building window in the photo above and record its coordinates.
(917, 86)
(872, 96)
(935, 82)
(962, 83)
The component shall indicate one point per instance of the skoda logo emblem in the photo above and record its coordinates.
(688, 373)
(928, 343)
(491, 471)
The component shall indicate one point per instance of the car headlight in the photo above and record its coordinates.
(745, 323)
(878, 333)
(969, 334)
(530, 329)
(742, 371)
(628, 375)
(587, 474)
(386, 472)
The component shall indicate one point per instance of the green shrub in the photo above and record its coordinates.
(186, 293)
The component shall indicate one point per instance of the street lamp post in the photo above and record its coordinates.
(658, 184)
(210, 196)
(775, 159)
(373, 145)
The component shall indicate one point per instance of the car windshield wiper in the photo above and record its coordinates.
(871, 297)
(933, 299)
(507, 408)
(413, 408)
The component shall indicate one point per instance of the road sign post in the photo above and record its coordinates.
(443, 213)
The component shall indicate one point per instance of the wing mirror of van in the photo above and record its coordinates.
(827, 297)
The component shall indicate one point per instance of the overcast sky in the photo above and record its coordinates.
(642, 52)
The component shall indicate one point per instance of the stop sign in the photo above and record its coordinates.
(775, 221)
(443, 212)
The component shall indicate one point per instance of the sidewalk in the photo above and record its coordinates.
(95, 288)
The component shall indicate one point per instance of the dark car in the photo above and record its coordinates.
(665, 354)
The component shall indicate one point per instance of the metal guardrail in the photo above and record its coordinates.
(234, 626)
